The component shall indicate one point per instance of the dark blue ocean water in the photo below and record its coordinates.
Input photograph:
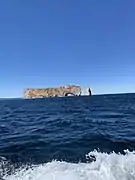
(38, 131)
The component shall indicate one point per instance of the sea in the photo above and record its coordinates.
(71, 138)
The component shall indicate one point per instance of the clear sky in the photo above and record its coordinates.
(47, 43)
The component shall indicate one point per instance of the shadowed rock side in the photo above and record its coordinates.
(53, 92)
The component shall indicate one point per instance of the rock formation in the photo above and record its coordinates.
(52, 92)
(56, 92)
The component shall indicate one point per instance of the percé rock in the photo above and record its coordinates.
(54, 92)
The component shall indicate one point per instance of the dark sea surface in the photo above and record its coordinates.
(75, 138)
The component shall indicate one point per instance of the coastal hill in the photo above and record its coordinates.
(52, 92)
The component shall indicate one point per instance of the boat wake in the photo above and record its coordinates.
(103, 167)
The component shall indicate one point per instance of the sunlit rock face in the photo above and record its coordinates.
(52, 92)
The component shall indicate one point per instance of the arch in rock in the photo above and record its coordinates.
(70, 94)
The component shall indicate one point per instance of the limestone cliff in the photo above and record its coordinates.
(52, 92)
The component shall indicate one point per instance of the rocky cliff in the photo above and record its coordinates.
(52, 92)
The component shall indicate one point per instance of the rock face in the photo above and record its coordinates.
(86, 91)
(53, 92)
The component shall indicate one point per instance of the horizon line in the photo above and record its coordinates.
(97, 94)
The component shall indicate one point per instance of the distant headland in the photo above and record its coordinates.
(62, 91)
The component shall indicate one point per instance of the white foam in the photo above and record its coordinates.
(106, 167)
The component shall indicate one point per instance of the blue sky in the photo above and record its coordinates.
(59, 42)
